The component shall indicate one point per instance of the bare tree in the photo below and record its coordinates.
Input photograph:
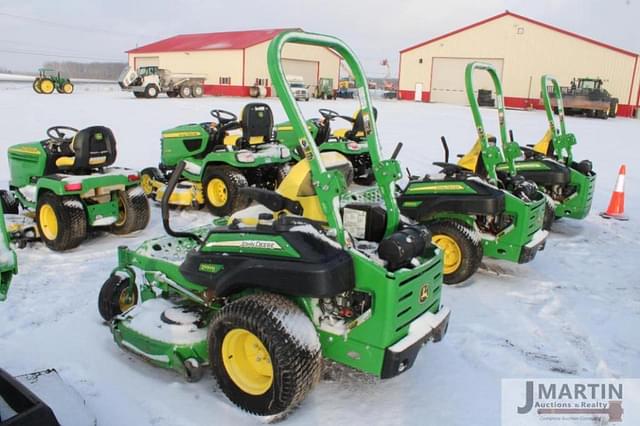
(95, 70)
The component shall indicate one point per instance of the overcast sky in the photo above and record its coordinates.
(86, 30)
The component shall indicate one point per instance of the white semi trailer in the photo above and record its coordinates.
(148, 82)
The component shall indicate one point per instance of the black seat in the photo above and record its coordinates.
(91, 148)
(257, 124)
(357, 132)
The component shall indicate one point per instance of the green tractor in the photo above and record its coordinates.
(8, 260)
(221, 157)
(261, 297)
(549, 163)
(501, 209)
(47, 81)
(350, 142)
(64, 183)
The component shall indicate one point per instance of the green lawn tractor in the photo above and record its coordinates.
(350, 142)
(221, 157)
(47, 81)
(8, 260)
(549, 163)
(64, 183)
(505, 209)
(261, 297)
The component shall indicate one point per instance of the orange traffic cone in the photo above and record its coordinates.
(616, 205)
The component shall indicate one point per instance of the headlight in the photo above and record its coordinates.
(285, 153)
(353, 146)
(245, 157)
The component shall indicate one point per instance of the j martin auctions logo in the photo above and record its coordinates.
(578, 398)
(575, 401)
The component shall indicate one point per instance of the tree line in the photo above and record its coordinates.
(91, 70)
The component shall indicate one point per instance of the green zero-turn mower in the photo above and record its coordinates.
(506, 209)
(221, 157)
(263, 296)
(65, 184)
(549, 163)
(8, 260)
(350, 142)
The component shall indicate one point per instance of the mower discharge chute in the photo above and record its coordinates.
(350, 142)
(65, 186)
(263, 296)
(549, 163)
(473, 211)
(221, 157)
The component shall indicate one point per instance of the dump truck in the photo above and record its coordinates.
(150, 81)
(587, 96)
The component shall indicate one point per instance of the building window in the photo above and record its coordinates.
(262, 82)
(420, 60)
(225, 80)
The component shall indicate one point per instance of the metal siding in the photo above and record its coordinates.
(214, 64)
(447, 79)
(256, 61)
(528, 53)
(145, 61)
(308, 70)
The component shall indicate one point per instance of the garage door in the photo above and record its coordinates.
(447, 79)
(308, 70)
(146, 61)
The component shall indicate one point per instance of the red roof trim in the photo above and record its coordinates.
(533, 21)
(230, 40)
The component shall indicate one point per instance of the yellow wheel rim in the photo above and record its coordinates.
(48, 222)
(247, 361)
(452, 252)
(46, 86)
(122, 210)
(126, 300)
(217, 192)
(146, 184)
(67, 88)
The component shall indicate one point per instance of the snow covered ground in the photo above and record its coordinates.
(573, 312)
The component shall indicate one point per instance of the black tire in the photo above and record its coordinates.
(294, 352)
(59, 90)
(71, 220)
(36, 86)
(172, 94)
(134, 211)
(197, 91)
(233, 181)
(613, 107)
(185, 91)
(469, 244)
(139, 94)
(549, 216)
(151, 91)
(112, 300)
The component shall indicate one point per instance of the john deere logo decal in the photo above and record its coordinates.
(424, 293)
(247, 244)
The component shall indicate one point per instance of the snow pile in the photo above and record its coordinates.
(145, 319)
